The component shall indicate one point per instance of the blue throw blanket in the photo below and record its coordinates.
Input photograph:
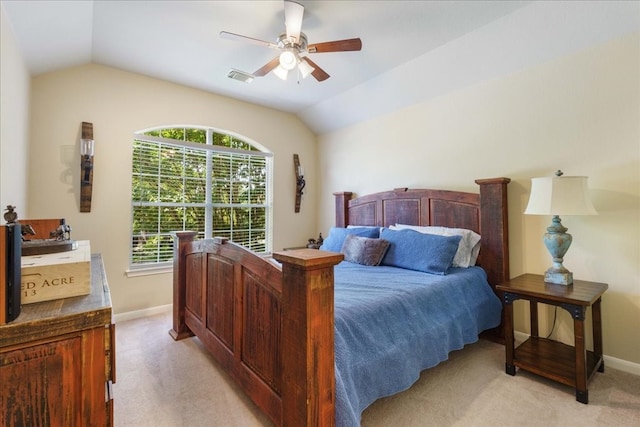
(392, 323)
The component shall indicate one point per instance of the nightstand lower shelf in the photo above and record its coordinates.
(552, 359)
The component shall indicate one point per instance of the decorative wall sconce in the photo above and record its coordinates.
(86, 166)
(300, 182)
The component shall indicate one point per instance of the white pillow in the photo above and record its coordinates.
(468, 248)
(366, 226)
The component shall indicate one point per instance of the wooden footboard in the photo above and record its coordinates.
(256, 318)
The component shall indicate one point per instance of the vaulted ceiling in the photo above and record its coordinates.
(412, 50)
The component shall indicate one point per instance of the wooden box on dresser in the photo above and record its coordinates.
(57, 360)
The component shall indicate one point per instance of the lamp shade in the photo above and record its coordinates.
(560, 195)
(281, 72)
(305, 68)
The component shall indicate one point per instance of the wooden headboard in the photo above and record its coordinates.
(484, 212)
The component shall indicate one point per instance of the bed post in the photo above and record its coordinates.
(308, 383)
(494, 228)
(181, 239)
(342, 208)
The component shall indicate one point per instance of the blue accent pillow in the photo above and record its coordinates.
(418, 251)
(333, 243)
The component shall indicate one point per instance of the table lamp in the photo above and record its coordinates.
(559, 195)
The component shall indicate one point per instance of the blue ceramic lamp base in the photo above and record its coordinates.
(558, 277)
(557, 241)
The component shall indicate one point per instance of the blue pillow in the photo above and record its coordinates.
(418, 251)
(333, 243)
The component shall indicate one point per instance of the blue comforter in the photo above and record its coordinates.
(392, 323)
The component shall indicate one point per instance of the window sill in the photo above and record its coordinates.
(148, 271)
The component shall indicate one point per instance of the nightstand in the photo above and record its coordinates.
(570, 365)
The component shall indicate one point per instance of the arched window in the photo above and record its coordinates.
(197, 179)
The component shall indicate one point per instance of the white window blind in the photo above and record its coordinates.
(215, 190)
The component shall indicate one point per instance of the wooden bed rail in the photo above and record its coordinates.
(279, 340)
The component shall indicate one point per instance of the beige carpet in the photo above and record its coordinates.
(161, 382)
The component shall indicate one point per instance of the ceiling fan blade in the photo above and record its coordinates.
(319, 74)
(267, 67)
(238, 37)
(336, 46)
(293, 13)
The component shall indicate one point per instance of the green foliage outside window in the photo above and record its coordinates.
(215, 192)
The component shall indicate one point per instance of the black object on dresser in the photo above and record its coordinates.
(11, 244)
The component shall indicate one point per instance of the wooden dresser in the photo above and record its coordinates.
(57, 360)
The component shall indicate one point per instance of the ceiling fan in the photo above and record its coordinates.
(293, 48)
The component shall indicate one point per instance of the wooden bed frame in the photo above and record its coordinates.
(271, 328)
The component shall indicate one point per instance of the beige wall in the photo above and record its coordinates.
(118, 104)
(14, 121)
(580, 114)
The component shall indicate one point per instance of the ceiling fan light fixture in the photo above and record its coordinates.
(288, 60)
(281, 72)
(305, 68)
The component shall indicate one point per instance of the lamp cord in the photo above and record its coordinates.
(555, 314)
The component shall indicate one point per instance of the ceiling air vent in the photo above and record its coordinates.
(240, 76)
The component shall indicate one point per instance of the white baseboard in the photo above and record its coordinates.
(609, 361)
(145, 312)
(621, 365)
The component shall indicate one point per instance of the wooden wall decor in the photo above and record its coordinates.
(300, 182)
(86, 164)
